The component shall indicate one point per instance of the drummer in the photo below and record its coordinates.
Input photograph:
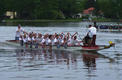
(19, 32)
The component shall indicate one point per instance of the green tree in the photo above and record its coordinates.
(48, 9)
(42, 9)
(24, 8)
(70, 7)
(111, 8)
(2, 9)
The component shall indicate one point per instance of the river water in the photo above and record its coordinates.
(19, 64)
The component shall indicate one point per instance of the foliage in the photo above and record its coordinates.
(2, 9)
(59, 9)
(42, 9)
(89, 3)
(111, 8)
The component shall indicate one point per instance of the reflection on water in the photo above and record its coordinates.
(46, 64)
(57, 57)
(90, 60)
(52, 57)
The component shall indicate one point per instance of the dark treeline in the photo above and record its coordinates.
(58, 9)
(110, 8)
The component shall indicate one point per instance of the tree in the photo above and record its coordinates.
(90, 3)
(70, 7)
(111, 8)
(2, 9)
(48, 9)
(24, 8)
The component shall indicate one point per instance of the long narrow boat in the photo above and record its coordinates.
(109, 28)
(68, 48)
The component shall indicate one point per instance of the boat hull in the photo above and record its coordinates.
(68, 48)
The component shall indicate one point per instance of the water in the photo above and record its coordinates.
(20, 64)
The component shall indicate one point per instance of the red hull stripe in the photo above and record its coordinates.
(96, 47)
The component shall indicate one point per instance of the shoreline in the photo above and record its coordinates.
(61, 20)
(43, 20)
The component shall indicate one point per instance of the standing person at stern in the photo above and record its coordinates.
(92, 34)
(19, 32)
(90, 38)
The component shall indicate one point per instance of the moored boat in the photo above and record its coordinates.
(109, 28)
(67, 48)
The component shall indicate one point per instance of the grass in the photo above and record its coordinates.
(61, 20)
(102, 19)
(43, 20)
(105, 20)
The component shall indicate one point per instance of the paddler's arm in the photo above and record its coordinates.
(25, 32)
(88, 32)
(74, 34)
(62, 33)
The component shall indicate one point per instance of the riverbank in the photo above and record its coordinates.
(106, 20)
(43, 20)
(65, 20)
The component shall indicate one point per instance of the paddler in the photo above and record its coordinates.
(39, 39)
(73, 40)
(25, 40)
(30, 39)
(43, 42)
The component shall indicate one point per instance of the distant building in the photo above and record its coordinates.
(79, 15)
(11, 14)
(89, 12)
(86, 12)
